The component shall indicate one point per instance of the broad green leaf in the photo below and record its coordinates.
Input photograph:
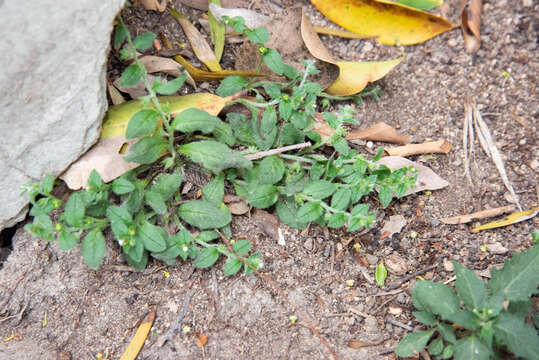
(170, 87)
(471, 290)
(169, 255)
(310, 211)
(421, 4)
(155, 201)
(214, 191)
(93, 248)
(264, 129)
(519, 277)
(168, 184)
(224, 134)
(320, 189)
(151, 237)
(425, 317)
(447, 332)
(241, 128)
(74, 209)
(270, 170)
(341, 199)
(436, 298)
(412, 344)
(290, 135)
(436, 346)
(337, 220)
(287, 211)
(231, 85)
(381, 274)
(119, 214)
(138, 265)
(242, 247)
(204, 214)
(94, 181)
(142, 123)
(273, 61)
(448, 352)
(232, 266)
(213, 155)
(258, 36)
(471, 348)
(206, 258)
(520, 338)
(135, 251)
(385, 194)
(194, 119)
(131, 75)
(67, 240)
(122, 186)
(144, 41)
(207, 236)
(263, 196)
(464, 318)
(147, 150)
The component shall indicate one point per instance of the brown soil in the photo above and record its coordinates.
(58, 307)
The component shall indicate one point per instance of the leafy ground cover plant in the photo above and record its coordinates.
(479, 321)
(144, 208)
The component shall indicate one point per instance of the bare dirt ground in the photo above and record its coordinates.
(56, 307)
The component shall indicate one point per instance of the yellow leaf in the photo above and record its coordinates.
(217, 32)
(509, 220)
(421, 4)
(340, 33)
(140, 336)
(389, 22)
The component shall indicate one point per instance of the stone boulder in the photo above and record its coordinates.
(53, 57)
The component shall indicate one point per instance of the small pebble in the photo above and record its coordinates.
(371, 259)
(434, 222)
(452, 43)
(497, 248)
(522, 141)
(327, 251)
(448, 265)
(370, 144)
(308, 244)
(368, 46)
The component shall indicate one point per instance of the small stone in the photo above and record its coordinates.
(368, 46)
(452, 43)
(371, 259)
(522, 141)
(396, 264)
(370, 144)
(497, 249)
(327, 251)
(401, 298)
(448, 265)
(434, 222)
(309, 244)
(534, 165)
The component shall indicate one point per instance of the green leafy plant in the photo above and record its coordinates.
(146, 212)
(480, 321)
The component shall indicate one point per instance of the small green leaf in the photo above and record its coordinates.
(381, 274)
(232, 266)
(142, 123)
(47, 184)
(93, 248)
(231, 85)
(67, 240)
(448, 352)
(94, 181)
(194, 119)
(258, 35)
(122, 186)
(242, 247)
(206, 258)
(119, 214)
(214, 191)
(385, 194)
(144, 41)
(341, 199)
(254, 262)
(214, 156)
(168, 184)
(425, 318)
(310, 211)
(155, 201)
(263, 196)
(224, 134)
(138, 265)
(120, 34)
(337, 220)
(170, 87)
(74, 209)
(290, 135)
(471, 290)
(520, 338)
(412, 344)
(287, 211)
(436, 298)
(204, 214)
(147, 150)
(270, 170)
(273, 61)
(151, 237)
(447, 332)
(422, 4)
(264, 130)
(436, 346)
(471, 348)
(320, 189)
(131, 75)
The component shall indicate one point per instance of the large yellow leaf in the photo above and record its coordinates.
(391, 23)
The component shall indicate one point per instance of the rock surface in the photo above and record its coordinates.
(52, 97)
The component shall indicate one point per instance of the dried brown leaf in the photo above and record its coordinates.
(155, 5)
(471, 23)
(428, 147)
(394, 225)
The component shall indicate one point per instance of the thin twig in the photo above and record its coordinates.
(383, 304)
(399, 324)
(178, 319)
(411, 276)
(387, 293)
(262, 154)
(281, 292)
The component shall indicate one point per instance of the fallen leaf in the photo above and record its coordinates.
(421, 4)
(236, 204)
(396, 264)
(134, 91)
(217, 32)
(379, 132)
(483, 214)
(428, 147)
(140, 336)
(340, 33)
(394, 225)
(202, 340)
(471, 23)
(165, 65)
(199, 45)
(389, 22)
(426, 178)
(115, 95)
(267, 222)
(509, 220)
(358, 344)
(156, 5)
(203, 4)
(252, 18)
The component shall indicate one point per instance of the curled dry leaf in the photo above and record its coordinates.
(358, 344)
(202, 340)
(509, 220)
(396, 264)
(426, 178)
(389, 22)
(252, 18)
(483, 214)
(115, 95)
(428, 147)
(237, 205)
(393, 226)
(471, 23)
(155, 5)
(217, 32)
(165, 65)
(267, 222)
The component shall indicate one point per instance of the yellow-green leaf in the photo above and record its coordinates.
(421, 4)
(389, 22)
(217, 32)
(509, 220)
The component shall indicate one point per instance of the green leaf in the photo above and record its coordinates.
(471, 348)
(425, 318)
(232, 266)
(519, 277)
(147, 150)
(214, 191)
(413, 343)
(381, 274)
(67, 240)
(144, 41)
(122, 186)
(436, 298)
(131, 75)
(471, 290)
(262, 196)
(207, 236)
(422, 4)
(264, 130)
(466, 319)
(258, 35)
(273, 61)
(138, 265)
(135, 251)
(436, 346)
(155, 201)
(170, 87)
(448, 352)
(206, 258)
(253, 261)
(224, 134)
(290, 135)
(204, 215)
(120, 34)
(93, 248)
(287, 211)
(270, 170)
(151, 237)
(194, 119)
(231, 85)
(519, 337)
(310, 211)
(447, 332)
(94, 181)
(119, 214)
(168, 184)
(74, 209)
(241, 128)
(214, 156)
(337, 220)
(47, 183)
(320, 189)
(142, 123)
(341, 199)
(242, 247)
(385, 194)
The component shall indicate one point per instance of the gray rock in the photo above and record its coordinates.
(52, 97)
